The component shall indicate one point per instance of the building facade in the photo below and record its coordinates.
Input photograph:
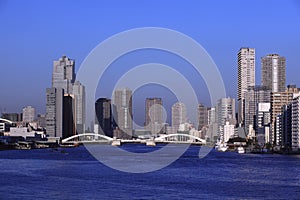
(63, 75)
(154, 115)
(254, 96)
(69, 126)
(122, 112)
(202, 116)
(246, 77)
(79, 97)
(28, 114)
(178, 115)
(295, 136)
(103, 119)
(54, 112)
(263, 121)
(278, 100)
(273, 67)
(63, 79)
(225, 112)
(228, 132)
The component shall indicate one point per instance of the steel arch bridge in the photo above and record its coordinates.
(6, 120)
(181, 137)
(87, 137)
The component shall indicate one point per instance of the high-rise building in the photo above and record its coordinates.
(178, 115)
(202, 116)
(295, 136)
(123, 112)
(273, 72)
(54, 112)
(263, 120)
(278, 100)
(246, 77)
(63, 75)
(28, 114)
(212, 132)
(79, 95)
(254, 96)
(103, 120)
(69, 128)
(63, 78)
(154, 115)
(225, 111)
(286, 124)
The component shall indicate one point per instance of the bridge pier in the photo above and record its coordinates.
(150, 143)
(116, 143)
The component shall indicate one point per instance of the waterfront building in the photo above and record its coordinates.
(273, 67)
(295, 137)
(278, 100)
(254, 96)
(202, 116)
(122, 110)
(228, 132)
(225, 111)
(79, 96)
(69, 127)
(178, 115)
(28, 114)
(54, 112)
(212, 131)
(63, 75)
(63, 79)
(154, 115)
(263, 121)
(103, 119)
(246, 77)
(286, 123)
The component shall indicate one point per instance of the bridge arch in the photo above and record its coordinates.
(87, 134)
(180, 134)
(6, 120)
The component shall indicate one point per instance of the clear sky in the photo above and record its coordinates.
(34, 33)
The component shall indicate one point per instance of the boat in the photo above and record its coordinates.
(240, 150)
(221, 147)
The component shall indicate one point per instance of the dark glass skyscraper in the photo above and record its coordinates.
(103, 119)
(68, 117)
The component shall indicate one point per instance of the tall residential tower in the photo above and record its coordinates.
(178, 115)
(246, 77)
(123, 112)
(273, 72)
(154, 115)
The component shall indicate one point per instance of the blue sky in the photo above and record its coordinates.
(34, 33)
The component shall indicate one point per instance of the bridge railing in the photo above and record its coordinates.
(180, 137)
(87, 137)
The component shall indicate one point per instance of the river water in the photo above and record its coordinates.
(73, 173)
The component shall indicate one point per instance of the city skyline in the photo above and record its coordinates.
(155, 99)
(223, 52)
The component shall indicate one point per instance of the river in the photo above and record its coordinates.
(73, 173)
